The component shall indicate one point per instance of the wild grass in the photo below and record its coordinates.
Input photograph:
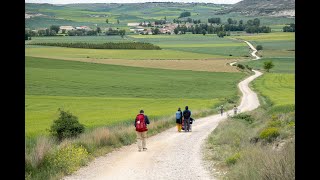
(59, 159)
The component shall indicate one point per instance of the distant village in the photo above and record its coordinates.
(136, 28)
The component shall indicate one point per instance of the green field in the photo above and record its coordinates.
(277, 44)
(117, 54)
(187, 46)
(102, 94)
(279, 88)
(281, 65)
(75, 39)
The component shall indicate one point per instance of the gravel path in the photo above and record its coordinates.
(170, 155)
(254, 51)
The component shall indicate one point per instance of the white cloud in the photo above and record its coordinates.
(128, 1)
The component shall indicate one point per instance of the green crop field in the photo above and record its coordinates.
(279, 88)
(189, 46)
(75, 39)
(117, 54)
(198, 43)
(102, 94)
(281, 65)
(277, 44)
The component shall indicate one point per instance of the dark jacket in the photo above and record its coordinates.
(186, 115)
(145, 118)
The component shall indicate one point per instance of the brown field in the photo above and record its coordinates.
(215, 65)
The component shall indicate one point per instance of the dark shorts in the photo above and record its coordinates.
(179, 121)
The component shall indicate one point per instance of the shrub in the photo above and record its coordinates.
(66, 126)
(276, 123)
(232, 159)
(240, 66)
(269, 134)
(68, 159)
(248, 67)
(259, 47)
(244, 116)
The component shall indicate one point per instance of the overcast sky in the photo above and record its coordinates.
(128, 1)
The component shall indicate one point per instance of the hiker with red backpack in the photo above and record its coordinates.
(140, 123)
(186, 119)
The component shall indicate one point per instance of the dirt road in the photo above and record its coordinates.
(170, 155)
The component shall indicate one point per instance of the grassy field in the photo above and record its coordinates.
(279, 88)
(101, 111)
(217, 65)
(74, 39)
(118, 54)
(92, 90)
(208, 44)
(281, 65)
(277, 44)
(188, 43)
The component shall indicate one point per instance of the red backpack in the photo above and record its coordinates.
(141, 123)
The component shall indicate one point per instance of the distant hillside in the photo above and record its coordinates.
(279, 8)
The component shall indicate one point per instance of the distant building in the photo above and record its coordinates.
(137, 30)
(133, 24)
(84, 27)
(66, 28)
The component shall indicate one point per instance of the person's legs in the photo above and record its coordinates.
(144, 137)
(179, 127)
(189, 124)
(186, 124)
(139, 140)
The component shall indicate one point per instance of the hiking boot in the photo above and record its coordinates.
(144, 149)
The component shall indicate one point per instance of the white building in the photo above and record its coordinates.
(84, 27)
(66, 28)
(133, 24)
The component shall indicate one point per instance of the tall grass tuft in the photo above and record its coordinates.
(262, 162)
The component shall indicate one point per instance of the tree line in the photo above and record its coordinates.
(54, 29)
(222, 29)
(108, 45)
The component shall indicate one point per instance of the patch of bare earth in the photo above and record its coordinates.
(210, 65)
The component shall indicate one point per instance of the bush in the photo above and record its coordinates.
(68, 158)
(259, 47)
(269, 134)
(240, 66)
(248, 67)
(66, 126)
(245, 117)
(276, 123)
(233, 159)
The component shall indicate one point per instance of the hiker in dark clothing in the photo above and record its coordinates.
(186, 119)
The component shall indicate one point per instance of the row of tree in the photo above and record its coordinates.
(53, 30)
(290, 28)
(252, 26)
(109, 45)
